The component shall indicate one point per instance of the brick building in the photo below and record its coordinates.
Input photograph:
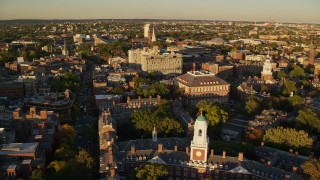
(184, 162)
(199, 86)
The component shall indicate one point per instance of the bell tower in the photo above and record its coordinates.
(200, 142)
(266, 73)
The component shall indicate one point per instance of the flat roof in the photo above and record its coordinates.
(18, 148)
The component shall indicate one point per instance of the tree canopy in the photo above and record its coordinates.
(152, 172)
(68, 81)
(296, 101)
(215, 115)
(37, 175)
(288, 87)
(308, 119)
(156, 88)
(297, 72)
(67, 134)
(285, 138)
(161, 117)
(312, 168)
(279, 75)
(252, 105)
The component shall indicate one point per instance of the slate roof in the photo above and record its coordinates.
(196, 79)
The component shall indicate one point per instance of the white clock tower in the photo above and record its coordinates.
(200, 142)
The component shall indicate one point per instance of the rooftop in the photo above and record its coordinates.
(18, 148)
(200, 78)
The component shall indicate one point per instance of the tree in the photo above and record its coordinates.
(84, 159)
(297, 72)
(214, 114)
(295, 101)
(288, 87)
(308, 119)
(285, 138)
(264, 88)
(57, 166)
(68, 81)
(279, 75)
(64, 153)
(252, 105)
(138, 81)
(67, 134)
(312, 168)
(152, 172)
(37, 175)
(117, 90)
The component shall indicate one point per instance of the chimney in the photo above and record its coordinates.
(240, 156)
(26, 166)
(175, 148)
(287, 177)
(297, 153)
(150, 97)
(133, 149)
(187, 150)
(211, 153)
(158, 97)
(294, 169)
(193, 66)
(43, 114)
(224, 154)
(112, 171)
(128, 100)
(12, 170)
(110, 154)
(262, 143)
(291, 151)
(160, 147)
(139, 97)
(38, 138)
(269, 163)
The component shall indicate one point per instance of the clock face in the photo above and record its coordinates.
(198, 153)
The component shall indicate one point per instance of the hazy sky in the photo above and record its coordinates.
(249, 10)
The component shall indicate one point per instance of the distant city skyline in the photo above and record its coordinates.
(296, 11)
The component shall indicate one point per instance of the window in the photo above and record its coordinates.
(193, 175)
(200, 132)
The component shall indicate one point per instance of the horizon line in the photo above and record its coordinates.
(165, 19)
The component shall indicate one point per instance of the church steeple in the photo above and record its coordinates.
(153, 35)
(65, 49)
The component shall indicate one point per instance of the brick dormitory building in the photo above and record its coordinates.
(184, 159)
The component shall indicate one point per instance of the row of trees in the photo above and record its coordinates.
(286, 138)
(68, 164)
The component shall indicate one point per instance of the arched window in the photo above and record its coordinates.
(200, 132)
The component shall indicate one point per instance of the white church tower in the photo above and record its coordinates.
(266, 73)
(200, 142)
